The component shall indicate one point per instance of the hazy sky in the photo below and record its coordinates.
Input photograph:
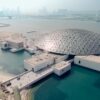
(34, 5)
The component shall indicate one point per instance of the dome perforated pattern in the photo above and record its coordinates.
(71, 41)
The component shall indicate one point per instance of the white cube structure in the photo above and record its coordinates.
(59, 58)
(91, 62)
(39, 62)
(17, 43)
(62, 68)
(31, 49)
(4, 45)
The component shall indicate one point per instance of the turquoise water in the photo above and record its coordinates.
(12, 62)
(79, 84)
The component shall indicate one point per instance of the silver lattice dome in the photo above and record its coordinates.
(71, 41)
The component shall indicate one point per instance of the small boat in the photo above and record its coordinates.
(15, 50)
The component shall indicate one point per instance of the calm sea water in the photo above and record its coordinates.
(39, 24)
(79, 84)
(12, 62)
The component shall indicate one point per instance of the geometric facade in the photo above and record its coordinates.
(70, 41)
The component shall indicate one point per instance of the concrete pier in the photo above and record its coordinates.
(26, 79)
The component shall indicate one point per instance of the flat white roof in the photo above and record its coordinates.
(29, 78)
(92, 58)
(56, 56)
(61, 65)
(39, 59)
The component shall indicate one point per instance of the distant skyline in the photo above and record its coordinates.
(33, 6)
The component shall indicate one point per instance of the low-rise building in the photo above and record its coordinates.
(4, 45)
(43, 60)
(15, 44)
(59, 58)
(38, 67)
(62, 67)
(39, 62)
(91, 62)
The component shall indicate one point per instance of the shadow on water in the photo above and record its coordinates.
(41, 81)
(89, 72)
(48, 88)
(97, 83)
(49, 94)
(85, 81)
(8, 51)
(59, 78)
(53, 76)
(82, 69)
(19, 52)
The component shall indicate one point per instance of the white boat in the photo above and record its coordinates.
(15, 50)
(31, 50)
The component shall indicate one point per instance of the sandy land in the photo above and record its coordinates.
(4, 35)
(5, 76)
(9, 35)
(25, 93)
